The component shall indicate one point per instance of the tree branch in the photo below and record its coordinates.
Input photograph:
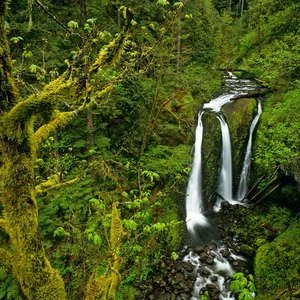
(51, 184)
(15, 121)
(46, 130)
(53, 17)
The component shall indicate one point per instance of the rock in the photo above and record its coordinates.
(210, 260)
(212, 254)
(225, 253)
(235, 263)
(225, 205)
(211, 286)
(246, 250)
(202, 257)
(214, 278)
(199, 249)
(205, 272)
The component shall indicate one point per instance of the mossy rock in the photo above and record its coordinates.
(246, 250)
(211, 153)
(277, 266)
(239, 115)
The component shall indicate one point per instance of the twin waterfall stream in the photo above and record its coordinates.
(198, 224)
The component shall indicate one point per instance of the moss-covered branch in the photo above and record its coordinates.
(53, 184)
(61, 120)
(16, 120)
(111, 53)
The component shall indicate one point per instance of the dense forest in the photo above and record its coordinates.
(98, 109)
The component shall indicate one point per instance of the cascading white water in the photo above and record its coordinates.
(245, 173)
(194, 215)
(194, 203)
(225, 181)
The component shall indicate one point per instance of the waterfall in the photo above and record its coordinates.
(194, 190)
(211, 265)
(225, 181)
(245, 173)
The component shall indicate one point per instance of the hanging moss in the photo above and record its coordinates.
(105, 286)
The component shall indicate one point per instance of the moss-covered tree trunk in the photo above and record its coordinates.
(20, 138)
(26, 256)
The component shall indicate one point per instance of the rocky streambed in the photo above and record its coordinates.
(202, 269)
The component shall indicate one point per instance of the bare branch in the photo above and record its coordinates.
(53, 17)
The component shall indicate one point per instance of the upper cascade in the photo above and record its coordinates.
(195, 216)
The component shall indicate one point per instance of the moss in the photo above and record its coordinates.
(239, 115)
(111, 53)
(96, 287)
(211, 155)
(105, 286)
(30, 266)
(246, 250)
(277, 266)
(8, 91)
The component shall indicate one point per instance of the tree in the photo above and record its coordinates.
(24, 125)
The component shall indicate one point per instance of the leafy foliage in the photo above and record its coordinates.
(9, 288)
(243, 286)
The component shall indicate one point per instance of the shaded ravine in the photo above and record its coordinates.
(213, 261)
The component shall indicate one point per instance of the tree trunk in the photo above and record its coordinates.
(89, 115)
(37, 279)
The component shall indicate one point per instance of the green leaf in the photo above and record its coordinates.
(178, 4)
(235, 286)
(73, 25)
(33, 68)
(97, 240)
(91, 21)
(162, 2)
(245, 295)
(124, 194)
(130, 225)
(251, 287)
(133, 23)
(16, 39)
(27, 54)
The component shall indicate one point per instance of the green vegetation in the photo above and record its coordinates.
(98, 106)
(243, 286)
(277, 266)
